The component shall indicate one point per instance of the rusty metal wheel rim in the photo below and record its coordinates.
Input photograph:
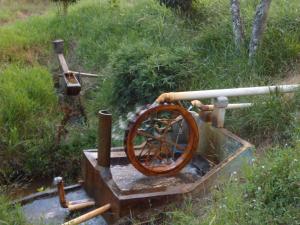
(169, 168)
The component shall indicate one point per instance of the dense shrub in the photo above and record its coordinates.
(265, 193)
(27, 109)
(184, 5)
(142, 72)
(9, 214)
(269, 116)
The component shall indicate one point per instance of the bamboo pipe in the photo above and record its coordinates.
(77, 205)
(71, 205)
(192, 95)
(89, 215)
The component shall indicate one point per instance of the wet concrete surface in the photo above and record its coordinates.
(128, 178)
(49, 211)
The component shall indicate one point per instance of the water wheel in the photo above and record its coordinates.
(166, 136)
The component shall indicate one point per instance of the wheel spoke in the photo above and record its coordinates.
(160, 130)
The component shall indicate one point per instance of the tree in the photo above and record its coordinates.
(259, 25)
(237, 23)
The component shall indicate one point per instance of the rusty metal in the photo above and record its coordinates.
(222, 148)
(203, 107)
(166, 146)
(61, 191)
(104, 138)
(71, 205)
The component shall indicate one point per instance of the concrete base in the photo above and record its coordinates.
(130, 192)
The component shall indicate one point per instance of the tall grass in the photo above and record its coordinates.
(28, 105)
(265, 193)
(10, 215)
(143, 49)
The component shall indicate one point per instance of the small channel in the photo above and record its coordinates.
(48, 210)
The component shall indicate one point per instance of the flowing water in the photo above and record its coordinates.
(48, 210)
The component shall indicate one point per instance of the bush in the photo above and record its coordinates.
(141, 72)
(9, 214)
(184, 5)
(272, 118)
(27, 110)
(267, 194)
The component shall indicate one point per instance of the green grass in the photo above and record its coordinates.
(11, 11)
(27, 112)
(144, 49)
(265, 193)
(10, 215)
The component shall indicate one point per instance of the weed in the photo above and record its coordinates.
(28, 104)
(268, 194)
(144, 49)
(10, 215)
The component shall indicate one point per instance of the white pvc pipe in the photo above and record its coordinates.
(247, 91)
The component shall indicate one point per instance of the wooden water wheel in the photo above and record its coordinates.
(167, 136)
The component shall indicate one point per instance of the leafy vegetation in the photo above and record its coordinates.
(143, 49)
(10, 215)
(28, 105)
(266, 192)
(184, 5)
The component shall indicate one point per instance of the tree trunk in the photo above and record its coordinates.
(65, 7)
(259, 26)
(238, 29)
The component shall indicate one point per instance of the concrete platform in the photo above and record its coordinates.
(130, 192)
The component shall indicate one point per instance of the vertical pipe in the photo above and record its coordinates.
(104, 138)
(218, 114)
(61, 191)
(58, 46)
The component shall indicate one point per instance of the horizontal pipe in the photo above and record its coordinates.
(203, 107)
(78, 205)
(88, 215)
(231, 92)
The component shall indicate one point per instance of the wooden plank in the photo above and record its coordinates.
(63, 63)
